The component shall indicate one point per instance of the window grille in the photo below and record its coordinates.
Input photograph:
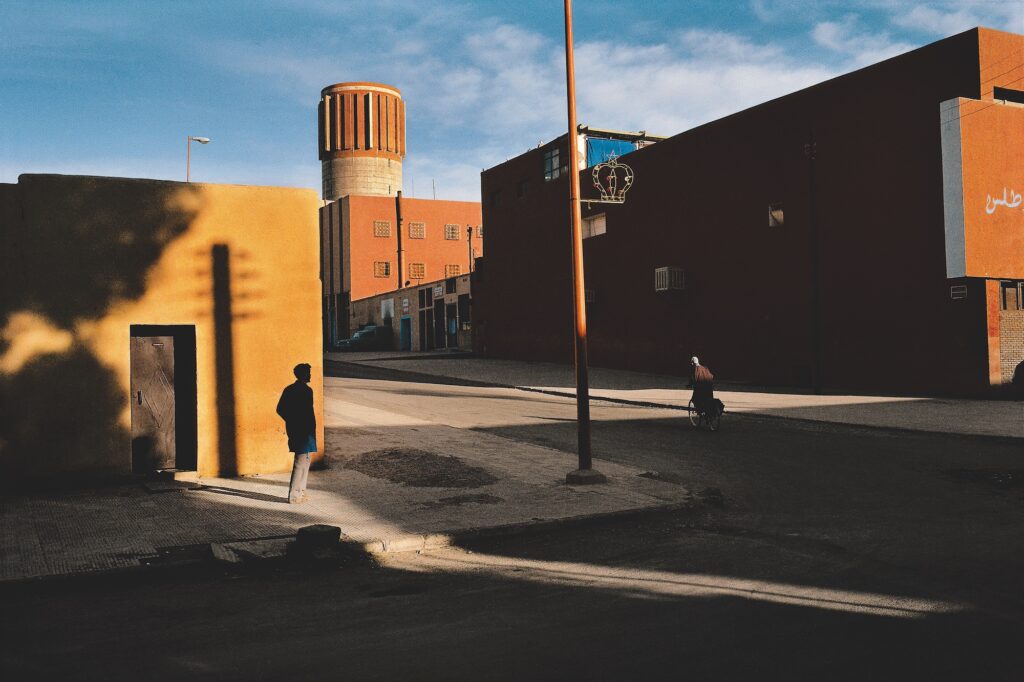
(452, 270)
(958, 291)
(417, 230)
(417, 271)
(381, 228)
(451, 231)
(669, 279)
(381, 268)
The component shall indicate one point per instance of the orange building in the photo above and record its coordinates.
(149, 325)
(372, 239)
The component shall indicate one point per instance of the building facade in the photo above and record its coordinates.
(372, 239)
(151, 325)
(431, 316)
(863, 234)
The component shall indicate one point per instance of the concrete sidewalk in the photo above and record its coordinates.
(1000, 418)
(393, 483)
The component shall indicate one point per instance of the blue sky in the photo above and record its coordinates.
(112, 88)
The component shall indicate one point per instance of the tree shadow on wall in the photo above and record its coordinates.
(60, 413)
(76, 246)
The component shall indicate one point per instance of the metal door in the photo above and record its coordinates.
(153, 403)
(439, 324)
(451, 312)
(405, 334)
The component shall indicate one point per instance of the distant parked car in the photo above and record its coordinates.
(368, 338)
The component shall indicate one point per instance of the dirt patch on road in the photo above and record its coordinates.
(419, 469)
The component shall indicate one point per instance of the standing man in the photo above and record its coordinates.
(296, 409)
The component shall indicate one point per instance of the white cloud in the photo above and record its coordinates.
(929, 19)
(861, 46)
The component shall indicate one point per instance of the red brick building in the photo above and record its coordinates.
(373, 240)
(863, 234)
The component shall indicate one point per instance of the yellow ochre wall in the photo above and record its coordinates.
(86, 257)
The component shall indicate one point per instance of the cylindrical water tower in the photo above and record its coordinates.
(361, 139)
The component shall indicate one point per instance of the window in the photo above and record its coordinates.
(452, 270)
(1008, 95)
(480, 231)
(775, 215)
(381, 228)
(594, 225)
(1012, 292)
(451, 231)
(417, 270)
(417, 230)
(521, 188)
(495, 198)
(381, 268)
(552, 167)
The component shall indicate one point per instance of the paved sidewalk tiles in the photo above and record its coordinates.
(62, 533)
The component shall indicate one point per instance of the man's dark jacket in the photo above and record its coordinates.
(296, 409)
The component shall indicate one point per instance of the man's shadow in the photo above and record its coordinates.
(263, 497)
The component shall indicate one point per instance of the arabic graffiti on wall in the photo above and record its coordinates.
(1009, 200)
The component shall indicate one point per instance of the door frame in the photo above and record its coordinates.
(186, 426)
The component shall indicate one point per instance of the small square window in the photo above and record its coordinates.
(452, 270)
(417, 230)
(381, 268)
(594, 225)
(417, 271)
(775, 215)
(451, 231)
(381, 228)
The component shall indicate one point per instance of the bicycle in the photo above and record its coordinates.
(711, 418)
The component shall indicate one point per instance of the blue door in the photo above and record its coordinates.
(405, 334)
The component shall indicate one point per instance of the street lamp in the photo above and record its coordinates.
(189, 139)
(586, 472)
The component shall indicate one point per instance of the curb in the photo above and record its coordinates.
(276, 548)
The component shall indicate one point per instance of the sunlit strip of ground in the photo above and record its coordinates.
(653, 584)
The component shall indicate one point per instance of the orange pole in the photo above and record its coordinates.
(582, 380)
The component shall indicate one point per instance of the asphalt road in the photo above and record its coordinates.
(831, 553)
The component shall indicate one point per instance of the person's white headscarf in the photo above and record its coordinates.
(694, 361)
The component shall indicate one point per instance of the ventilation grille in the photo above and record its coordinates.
(669, 279)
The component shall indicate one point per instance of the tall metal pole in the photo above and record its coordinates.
(188, 158)
(469, 245)
(585, 473)
(398, 219)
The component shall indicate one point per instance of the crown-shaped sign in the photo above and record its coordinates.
(612, 179)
